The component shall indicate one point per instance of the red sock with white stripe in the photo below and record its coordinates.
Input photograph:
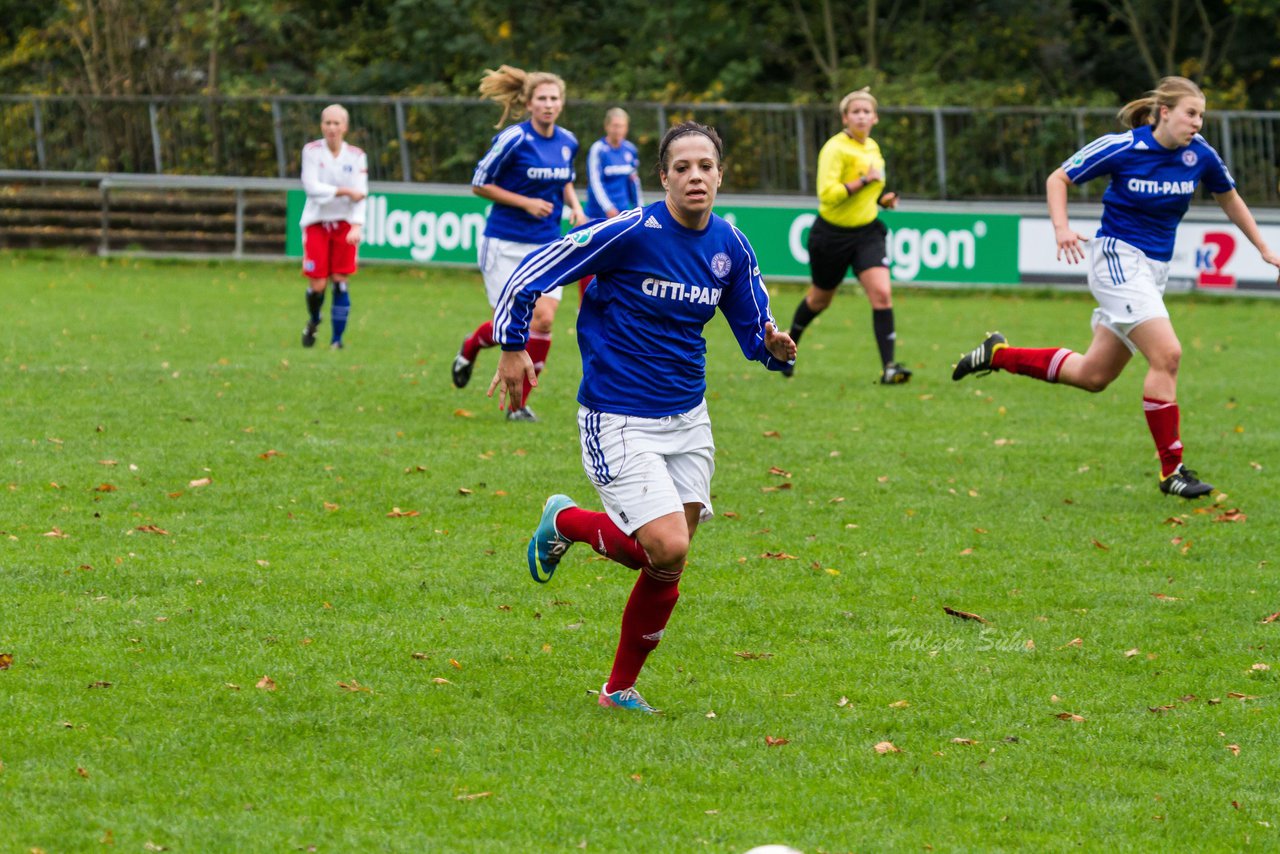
(479, 340)
(1162, 421)
(643, 622)
(597, 530)
(537, 347)
(1042, 363)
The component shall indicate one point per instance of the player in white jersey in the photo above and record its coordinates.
(1155, 168)
(662, 273)
(335, 177)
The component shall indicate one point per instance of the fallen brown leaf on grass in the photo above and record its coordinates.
(1232, 515)
(330, 506)
(6, 660)
(775, 742)
(1130, 653)
(1272, 618)
(1174, 521)
(454, 663)
(1234, 748)
(1261, 667)
(85, 774)
(886, 747)
(266, 683)
(729, 514)
(152, 529)
(1102, 546)
(100, 685)
(397, 513)
(200, 481)
(462, 413)
(462, 490)
(779, 472)
(750, 656)
(415, 469)
(354, 686)
(900, 704)
(779, 556)
(1075, 642)
(1166, 598)
(1236, 695)
(473, 796)
(968, 551)
(1068, 716)
(964, 615)
(105, 487)
(107, 463)
(421, 656)
(965, 741)
(55, 532)
(1161, 709)
(777, 488)
(266, 455)
(440, 680)
(772, 434)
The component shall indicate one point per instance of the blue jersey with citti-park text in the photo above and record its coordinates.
(1151, 186)
(523, 161)
(640, 326)
(613, 179)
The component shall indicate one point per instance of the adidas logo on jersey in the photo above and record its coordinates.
(652, 222)
(1141, 146)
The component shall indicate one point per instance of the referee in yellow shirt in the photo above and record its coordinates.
(847, 233)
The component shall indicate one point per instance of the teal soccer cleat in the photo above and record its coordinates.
(546, 547)
(626, 698)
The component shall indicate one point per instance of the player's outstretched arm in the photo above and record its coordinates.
(1055, 189)
(1239, 214)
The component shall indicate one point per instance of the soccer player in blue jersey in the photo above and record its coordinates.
(613, 175)
(1155, 168)
(528, 175)
(661, 273)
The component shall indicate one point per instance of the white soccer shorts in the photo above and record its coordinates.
(1128, 286)
(644, 468)
(498, 260)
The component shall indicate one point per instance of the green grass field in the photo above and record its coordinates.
(428, 696)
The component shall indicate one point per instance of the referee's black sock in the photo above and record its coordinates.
(804, 316)
(882, 322)
(315, 300)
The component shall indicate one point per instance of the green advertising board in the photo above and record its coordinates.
(922, 246)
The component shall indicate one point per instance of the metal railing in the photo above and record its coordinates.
(955, 153)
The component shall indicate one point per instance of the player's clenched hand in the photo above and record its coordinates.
(354, 235)
(1069, 244)
(779, 344)
(537, 208)
(514, 368)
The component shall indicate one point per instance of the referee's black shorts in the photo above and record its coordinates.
(833, 250)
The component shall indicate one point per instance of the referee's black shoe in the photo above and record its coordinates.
(895, 373)
(1183, 482)
(309, 334)
(978, 360)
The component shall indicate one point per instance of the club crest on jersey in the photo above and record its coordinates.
(721, 265)
(580, 238)
(1189, 158)
(564, 152)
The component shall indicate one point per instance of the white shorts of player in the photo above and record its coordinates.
(1128, 286)
(645, 468)
(498, 260)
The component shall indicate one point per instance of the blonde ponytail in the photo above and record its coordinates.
(1146, 110)
(513, 87)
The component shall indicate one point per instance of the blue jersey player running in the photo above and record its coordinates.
(1155, 168)
(528, 175)
(661, 273)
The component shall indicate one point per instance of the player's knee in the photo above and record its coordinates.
(667, 558)
(1094, 381)
(819, 300)
(1168, 361)
(541, 320)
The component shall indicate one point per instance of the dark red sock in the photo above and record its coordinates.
(478, 340)
(643, 622)
(598, 531)
(1041, 363)
(1162, 421)
(583, 284)
(538, 346)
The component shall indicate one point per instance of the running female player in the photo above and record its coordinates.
(661, 272)
(528, 175)
(1155, 168)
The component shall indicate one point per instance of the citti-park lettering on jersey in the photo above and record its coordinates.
(547, 173)
(679, 291)
(1161, 188)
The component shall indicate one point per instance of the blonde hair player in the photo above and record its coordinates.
(1156, 167)
(528, 175)
(335, 178)
(848, 233)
